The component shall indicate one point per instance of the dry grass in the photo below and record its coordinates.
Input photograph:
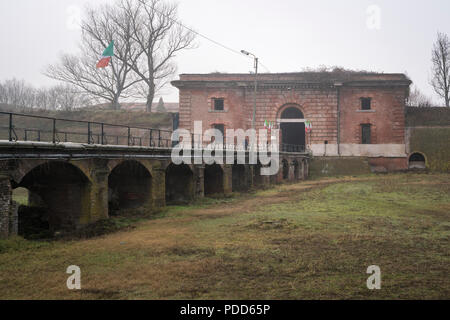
(312, 240)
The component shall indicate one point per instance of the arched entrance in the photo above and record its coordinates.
(416, 161)
(129, 186)
(257, 177)
(58, 197)
(292, 129)
(285, 169)
(239, 178)
(179, 183)
(213, 179)
(296, 170)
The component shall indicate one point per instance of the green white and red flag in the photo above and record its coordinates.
(107, 54)
(308, 126)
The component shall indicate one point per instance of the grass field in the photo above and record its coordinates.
(311, 240)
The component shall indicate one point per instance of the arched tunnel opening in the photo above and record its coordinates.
(179, 184)
(239, 178)
(257, 177)
(213, 179)
(296, 170)
(285, 164)
(129, 186)
(416, 161)
(58, 194)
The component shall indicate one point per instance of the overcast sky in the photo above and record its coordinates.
(287, 36)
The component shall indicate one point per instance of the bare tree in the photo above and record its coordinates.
(441, 67)
(159, 37)
(3, 99)
(20, 95)
(99, 28)
(417, 99)
(67, 98)
(17, 93)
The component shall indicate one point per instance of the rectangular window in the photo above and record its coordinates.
(218, 104)
(365, 134)
(365, 103)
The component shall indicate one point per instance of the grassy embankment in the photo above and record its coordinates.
(313, 239)
(121, 117)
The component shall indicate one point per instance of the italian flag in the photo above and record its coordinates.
(106, 56)
(308, 126)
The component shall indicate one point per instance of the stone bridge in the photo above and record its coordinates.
(80, 183)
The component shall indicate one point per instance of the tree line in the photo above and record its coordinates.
(22, 96)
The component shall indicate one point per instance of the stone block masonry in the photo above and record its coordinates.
(77, 190)
(5, 205)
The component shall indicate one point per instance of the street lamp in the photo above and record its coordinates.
(256, 83)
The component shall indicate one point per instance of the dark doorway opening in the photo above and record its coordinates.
(213, 179)
(416, 161)
(179, 184)
(239, 178)
(58, 194)
(285, 169)
(292, 133)
(257, 177)
(129, 186)
(296, 170)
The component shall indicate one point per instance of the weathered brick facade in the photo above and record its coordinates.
(330, 100)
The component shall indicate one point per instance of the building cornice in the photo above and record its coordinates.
(288, 84)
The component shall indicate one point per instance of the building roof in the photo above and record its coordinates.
(331, 78)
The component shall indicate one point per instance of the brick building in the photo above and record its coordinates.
(353, 114)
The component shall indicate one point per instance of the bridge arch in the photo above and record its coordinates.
(129, 185)
(63, 193)
(179, 183)
(285, 169)
(257, 177)
(239, 179)
(213, 179)
(297, 175)
(417, 160)
(23, 167)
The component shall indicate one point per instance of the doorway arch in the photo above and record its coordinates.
(129, 186)
(58, 198)
(292, 127)
(416, 161)
(213, 179)
(179, 183)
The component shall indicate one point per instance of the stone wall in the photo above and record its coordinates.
(5, 205)
(428, 133)
(434, 144)
(79, 188)
(338, 166)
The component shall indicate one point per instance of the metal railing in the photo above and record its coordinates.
(285, 147)
(26, 127)
(197, 143)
